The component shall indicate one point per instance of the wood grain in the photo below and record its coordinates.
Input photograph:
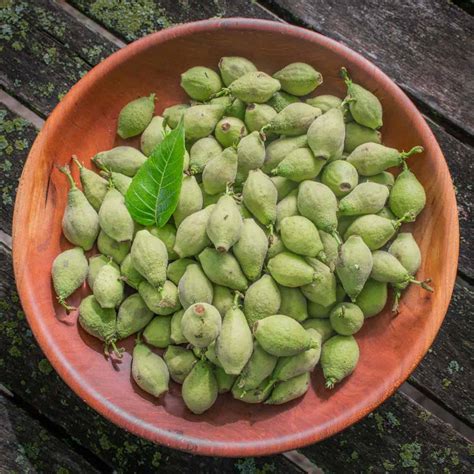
(445, 371)
(150, 16)
(27, 447)
(400, 343)
(458, 155)
(45, 52)
(426, 47)
(16, 137)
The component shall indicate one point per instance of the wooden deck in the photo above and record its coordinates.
(426, 46)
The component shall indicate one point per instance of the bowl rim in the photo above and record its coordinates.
(153, 432)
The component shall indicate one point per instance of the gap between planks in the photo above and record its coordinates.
(302, 462)
(24, 112)
(5, 241)
(417, 395)
(90, 24)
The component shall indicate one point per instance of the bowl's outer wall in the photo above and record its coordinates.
(85, 123)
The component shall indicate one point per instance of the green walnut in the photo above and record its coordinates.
(80, 220)
(220, 172)
(293, 120)
(354, 265)
(260, 197)
(282, 336)
(365, 198)
(200, 388)
(293, 303)
(194, 287)
(224, 226)
(201, 324)
(121, 159)
(339, 358)
(201, 120)
(262, 299)
(149, 371)
(223, 269)
(254, 86)
(149, 257)
(135, 116)
(93, 185)
(114, 218)
(407, 197)
(365, 108)
(113, 249)
(233, 67)
(179, 361)
(173, 114)
(279, 100)
(158, 332)
(279, 149)
(300, 165)
(300, 235)
(340, 177)
(153, 135)
(298, 78)
(108, 286)
(324, 102)
(370, 159)
(200, 83)
(290, 269)
(258, 116)
(203, 151)
(69, 272)
(251, 248)
(234, 344)
(326, 135)
(346, 318)
(229, 131)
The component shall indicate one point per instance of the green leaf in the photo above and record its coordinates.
(154, 191)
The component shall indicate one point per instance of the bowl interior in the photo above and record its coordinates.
(85, 123)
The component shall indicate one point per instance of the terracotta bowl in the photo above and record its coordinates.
(84, 123)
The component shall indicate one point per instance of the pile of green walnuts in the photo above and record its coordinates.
(284, 240)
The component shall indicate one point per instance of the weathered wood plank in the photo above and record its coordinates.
(459, 158)
(16, 137)
(25, 371)
(45, 52)
(425, 46)
(446, 370)
(27, 447)
(152, 15)
(400, 436)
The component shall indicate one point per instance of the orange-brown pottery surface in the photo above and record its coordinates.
(85, 123)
